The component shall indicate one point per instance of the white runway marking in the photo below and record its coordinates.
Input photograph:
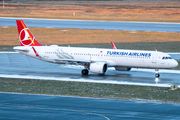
(85, 80)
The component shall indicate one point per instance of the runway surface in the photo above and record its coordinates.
(85, 24)
(16, 65)
(31, 107)
(24, 106)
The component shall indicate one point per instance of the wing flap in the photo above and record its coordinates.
(72, 60)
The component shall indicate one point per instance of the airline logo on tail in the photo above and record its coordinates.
(25, 36)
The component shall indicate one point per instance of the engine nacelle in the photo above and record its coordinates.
(122, 68)
(98, 67)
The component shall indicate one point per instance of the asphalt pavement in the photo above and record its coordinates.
(87, 24)
(17, 65)
(40, 107)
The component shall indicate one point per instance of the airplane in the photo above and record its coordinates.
(95, 60)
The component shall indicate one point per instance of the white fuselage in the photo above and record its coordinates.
(113, 57)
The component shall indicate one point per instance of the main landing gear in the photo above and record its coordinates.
(157, 74)
(84, 72)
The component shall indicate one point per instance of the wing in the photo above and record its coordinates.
(69, 61)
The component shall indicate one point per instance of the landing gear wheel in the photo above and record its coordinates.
(84, 72)
(157, 75)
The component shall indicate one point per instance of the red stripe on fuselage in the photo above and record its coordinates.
(35, 52)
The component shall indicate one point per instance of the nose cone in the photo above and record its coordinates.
(174, 64)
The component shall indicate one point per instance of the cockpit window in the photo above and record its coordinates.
(164, 58)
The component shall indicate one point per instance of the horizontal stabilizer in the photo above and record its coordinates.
(19, 48)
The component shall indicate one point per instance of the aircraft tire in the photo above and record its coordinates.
(157, 75)
(84, 72)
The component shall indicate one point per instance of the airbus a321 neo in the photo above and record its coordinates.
(95, 60)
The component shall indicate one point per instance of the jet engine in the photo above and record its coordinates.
(98, 67)
(122, 68)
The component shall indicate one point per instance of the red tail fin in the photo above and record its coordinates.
(25, 36)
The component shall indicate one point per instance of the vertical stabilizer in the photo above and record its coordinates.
(25, 36)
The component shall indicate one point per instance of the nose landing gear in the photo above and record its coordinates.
(157, 74)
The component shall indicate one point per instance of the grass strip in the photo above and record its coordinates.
(48, 36)
(135, 10)
(96, 90)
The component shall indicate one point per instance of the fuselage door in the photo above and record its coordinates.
(154, 58)
(100, 55)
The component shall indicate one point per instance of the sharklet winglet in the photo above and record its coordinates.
(113, 45)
